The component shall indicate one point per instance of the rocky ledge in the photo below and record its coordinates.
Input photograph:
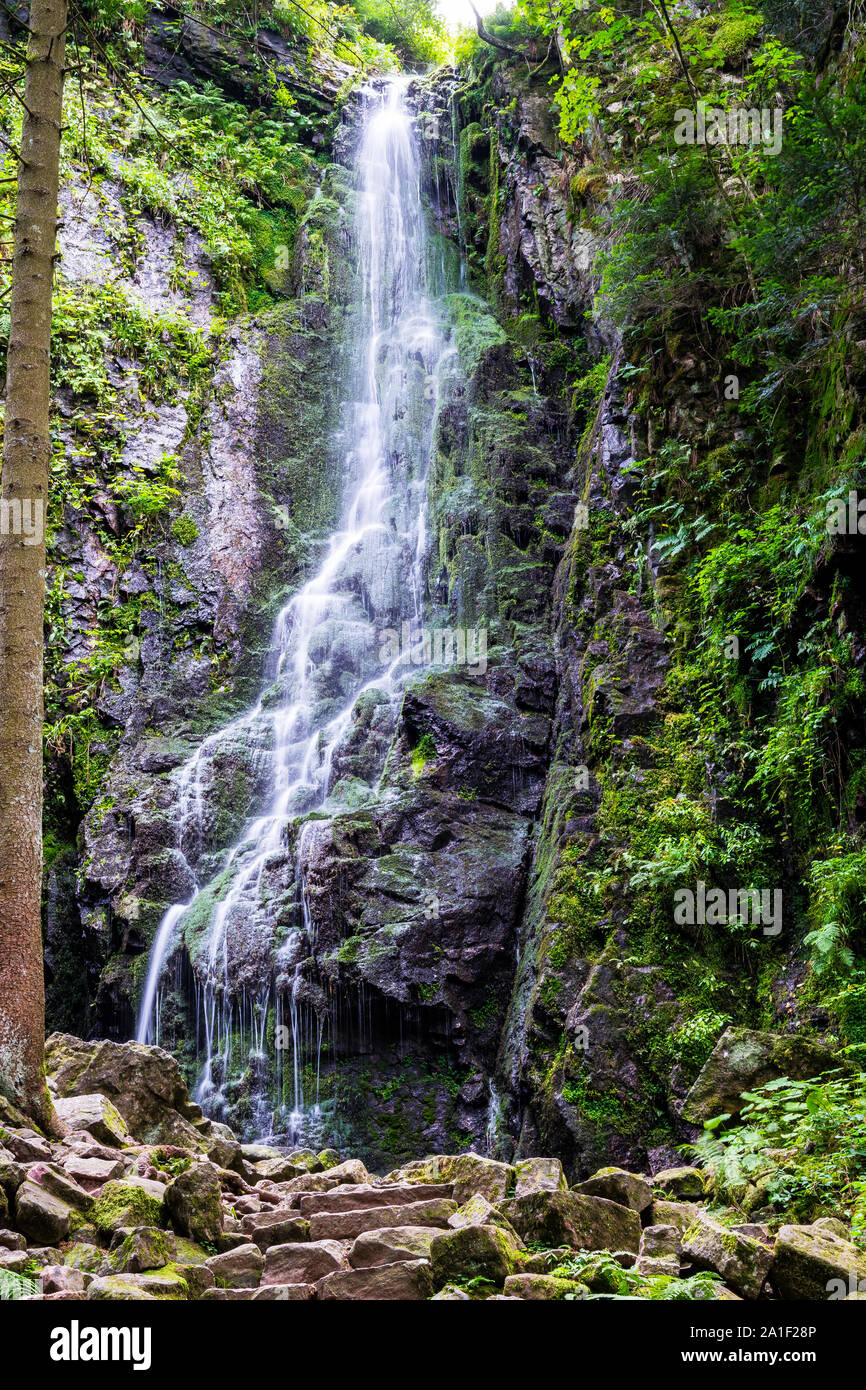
(144, 1198)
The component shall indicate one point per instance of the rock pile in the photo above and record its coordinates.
(145, 1199)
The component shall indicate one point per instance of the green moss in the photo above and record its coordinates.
(184, 530)
(124, 1204)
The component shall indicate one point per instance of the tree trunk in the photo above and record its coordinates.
(491, 38)
(26, 458)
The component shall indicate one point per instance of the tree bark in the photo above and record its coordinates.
(491, 38)
(23, 503)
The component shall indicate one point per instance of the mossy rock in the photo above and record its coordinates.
(126, 1204)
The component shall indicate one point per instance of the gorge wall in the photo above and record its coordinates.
(496, 961)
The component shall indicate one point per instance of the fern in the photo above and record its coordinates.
(16, 1285)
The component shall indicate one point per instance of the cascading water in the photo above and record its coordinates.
(328, 640)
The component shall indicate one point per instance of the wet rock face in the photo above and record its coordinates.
(182, 50)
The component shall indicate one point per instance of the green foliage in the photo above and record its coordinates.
(423, 753)
(695, 1039)
(605, 1277)
(799, 1147)
(413, 28)
(184, 530)
(836, 910)
(13, 1286)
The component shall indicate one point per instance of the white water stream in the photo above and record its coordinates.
(327, 640)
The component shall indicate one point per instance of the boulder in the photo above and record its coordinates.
(362, 1196)
(302, 1263)
(815, 1264)
(279, 1169)
(26, 1146)
(653, 1266)
(12, 1173)
(159, 1285)
(543, 1261)
(83, 1255)
(92, 1172)
(123, 1202)
(351, 1171)
(543, 1286)
(198, 1278)
(144, 1083)
(238, 1269)
(574, 1219)
(12, 1240)
(485, 1252)
(95, 1114)
(468, 1173)
(744, 1059)
(54, 1180)
(394, 1243)
(538, 1175)
(660, 1241)
(192, 1201)
(120, 1288)
(277, 1227)
(604, 1275)
(15, 1261)
(345, 1225)
(41, 1216)
(147, 1247)
(62, 1279)
(407, 1281)
(479, 1212)
(679, 1214)
(627, 1189)
(255, 1153)
(282, 1293)
(689, 1184)
(742, 1262)
(833, 1224)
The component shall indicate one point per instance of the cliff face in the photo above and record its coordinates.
(495, 959)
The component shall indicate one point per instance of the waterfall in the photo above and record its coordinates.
(327, 645)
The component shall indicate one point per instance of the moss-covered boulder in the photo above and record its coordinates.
(574, 1219)
(145, 1248)
(479, 1212)
(546, 1287)
(192, 1201)
(744, 1059)
(160, 1284)
(144, 1084)
(815, 1264)
(538, 1175)
(687, 1184)
(679, 1214)
(127, 1204)
(628, 1189)
(474, 1252)
(468, 1173)
(742, 1262)
(95, 1114)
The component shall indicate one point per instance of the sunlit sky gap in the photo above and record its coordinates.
(457, 13)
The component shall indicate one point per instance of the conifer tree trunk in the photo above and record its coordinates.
(26, 457)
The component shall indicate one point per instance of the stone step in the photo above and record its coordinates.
(410, 1281)
(345, 1225)
(355, 1196)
